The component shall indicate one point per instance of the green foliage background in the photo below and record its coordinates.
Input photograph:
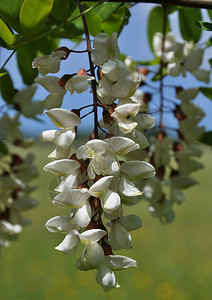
(174, 261)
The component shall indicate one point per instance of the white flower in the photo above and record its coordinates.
(49, 63)
(105, 272)
(103, 159)
(78, 84)
(110, 200)
(66, 120)
(123, 115)
(119, 236)
(168, 54)
(62, 167)
(105, 48)
(50, 83)
(8, 228)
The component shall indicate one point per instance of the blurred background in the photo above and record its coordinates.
(174, 261)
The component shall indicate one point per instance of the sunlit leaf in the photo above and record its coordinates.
(204, 25)
(9, 12)
(6, 85)
(155, 23)
(105, 10)
(187, 18)
(207, 138)
(5, 33)
(116, 21)
(33, 15)
(25, 56)
(155, 61)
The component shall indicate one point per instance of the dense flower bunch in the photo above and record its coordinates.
(174, 153)
(97, 180)
(180, 57)
(16, 171)
(174, 159)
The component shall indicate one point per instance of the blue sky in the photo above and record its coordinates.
(132, 41)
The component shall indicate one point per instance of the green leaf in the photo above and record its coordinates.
(155, 61)
(187, 18)
(62, 9)
(105, 10)
(207, 92)
(155, 23)
(116, 21)
(210, 61)
(207, 138)
(9, 12)
(210, 13)
(3, 148)
(158, 75)
(5, 33)
(2, 74)
(94, 23)
(204, 25)
(209, 42)
(46, 45)
(25, 56)
(33, 15)
(7, 90)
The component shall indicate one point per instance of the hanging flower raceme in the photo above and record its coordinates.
(97, 179)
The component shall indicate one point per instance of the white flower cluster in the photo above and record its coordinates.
(16, 172)
(174, 159)
(97, 180)
(15, 176)
(180, 57)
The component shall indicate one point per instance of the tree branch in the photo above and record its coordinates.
(93, 82)
(188, 3)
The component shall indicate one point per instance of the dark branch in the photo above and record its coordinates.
(188, 3)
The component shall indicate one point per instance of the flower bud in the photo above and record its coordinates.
(81, 72)
(99, 73)
(143, 70)
(63, 80)
(179, 114)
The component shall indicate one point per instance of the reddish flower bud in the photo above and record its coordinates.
(106, 248)
(107, 117)
(161, 136)
(81, 72)
(160, 172)
(143, 71)
(177, 147)
(99, 73)
(63, 80)
(179, 114)
(111, 108)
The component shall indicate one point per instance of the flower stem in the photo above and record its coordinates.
(93, 82)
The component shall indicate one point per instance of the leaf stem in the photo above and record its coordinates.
(6, 61)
